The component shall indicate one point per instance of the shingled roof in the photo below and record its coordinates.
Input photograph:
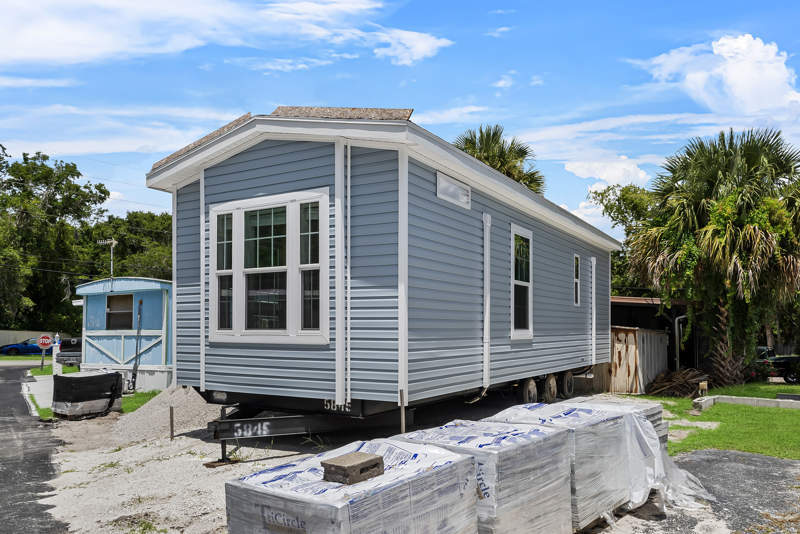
(311, 112)
(213, 135)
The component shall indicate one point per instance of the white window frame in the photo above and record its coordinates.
(441, 179)
(576, 282)
(293, 334)
(527, 234)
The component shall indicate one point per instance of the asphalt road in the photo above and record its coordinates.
(25, 461)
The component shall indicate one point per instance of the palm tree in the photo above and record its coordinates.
(724, 235)
(507, 156)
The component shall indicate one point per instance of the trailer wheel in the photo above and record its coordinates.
(550, 389)
(528, 393)
(567, 384)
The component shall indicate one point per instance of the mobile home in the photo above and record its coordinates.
(348, 259)
(121, 314)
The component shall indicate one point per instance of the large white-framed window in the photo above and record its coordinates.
(576, 280)
(269, 269)
(521, 283)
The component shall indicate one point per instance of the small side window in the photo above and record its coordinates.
(576, 281)
(452, 190)
(521, 283)
(119, 312)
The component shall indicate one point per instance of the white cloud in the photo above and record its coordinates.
(279, 64)
(734, 74)
(451, 115)
(404, 47)
(17, 82)
(502, 11)
(591, 213)
(619, 170)
(536, 80)
(81, 31)
(505, 81)
(498, 32)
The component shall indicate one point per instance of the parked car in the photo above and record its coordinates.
(27, 346)
(70, 352)
(788, 367)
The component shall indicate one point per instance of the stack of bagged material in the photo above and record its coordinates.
(523, 473)
(651, 410)
(599, 474)
(423, 489)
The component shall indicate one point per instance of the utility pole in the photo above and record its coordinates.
(113, 243)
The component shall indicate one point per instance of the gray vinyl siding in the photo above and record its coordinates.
(446, 294)
(373, 273)
(187, 285)
(445, 290)
(271, 168)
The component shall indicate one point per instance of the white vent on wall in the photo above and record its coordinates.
(452, 190)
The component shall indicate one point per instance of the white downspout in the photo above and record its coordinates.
(594, 311)
(173, 337)
(487, 295)
(347, 278)
(203, 240)
(338, 210)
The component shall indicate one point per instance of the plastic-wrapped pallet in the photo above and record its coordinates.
(598, 472)
(641, 446)
(424, 489)
(523, 473)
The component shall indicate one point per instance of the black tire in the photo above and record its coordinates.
(567, 385)
(12, 352)
(528, 392)
(792, 375)
(549, 389)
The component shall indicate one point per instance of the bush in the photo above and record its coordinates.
(759, 371)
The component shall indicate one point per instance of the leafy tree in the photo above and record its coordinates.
(41, 204)
(722, 233)
(511, 157)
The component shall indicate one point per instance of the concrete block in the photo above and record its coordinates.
(352, 467)
(704, 403)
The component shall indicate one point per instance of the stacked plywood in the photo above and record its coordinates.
(599, 474)
(523, 473)
(423, 489)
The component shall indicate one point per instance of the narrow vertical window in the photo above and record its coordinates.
(521, 287)
(225, 289)
(224, 271)
(576, 281)
(224, 242)
(309, 265)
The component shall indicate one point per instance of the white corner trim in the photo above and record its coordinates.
(203, 280)
(348, 281)
(594, 312)
(164, 314)
(338, 214)
(402, 277)
(173, 338)
(487, 296)
(528, 333)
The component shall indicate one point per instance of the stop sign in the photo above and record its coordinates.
(44, 342)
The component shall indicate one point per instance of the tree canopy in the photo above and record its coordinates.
(721, 230)
(509, 156)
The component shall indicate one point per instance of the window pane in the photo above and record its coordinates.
(266, 301)
(521, 303)
(577, 268)
(576, 292)
(119, 312)
(309, 233)
(265, 238)
(225, 319)
(224, 241)
(310, 300)
(522, 255)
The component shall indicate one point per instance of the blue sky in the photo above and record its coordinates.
(601, 92)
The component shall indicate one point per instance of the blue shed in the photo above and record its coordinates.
(111, 325)
(348, 259)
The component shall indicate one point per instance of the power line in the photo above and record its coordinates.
(107, 221)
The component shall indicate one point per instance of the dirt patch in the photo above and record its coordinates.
(679, 434)
(705, 425)
(86, 434)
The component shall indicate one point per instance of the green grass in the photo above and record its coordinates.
(23, 357)
(48, 370)
(769, 431)
(131, 403)
(763, 390)
(44, 413)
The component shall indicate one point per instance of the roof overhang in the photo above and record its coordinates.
(420, 144)
(122, 284)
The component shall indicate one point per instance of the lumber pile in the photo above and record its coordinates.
(683, 383)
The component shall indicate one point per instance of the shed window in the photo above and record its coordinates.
(271, 289)
(119, 312)
(521, 284)
(576, 280)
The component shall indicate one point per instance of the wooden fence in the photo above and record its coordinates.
(637, 357)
